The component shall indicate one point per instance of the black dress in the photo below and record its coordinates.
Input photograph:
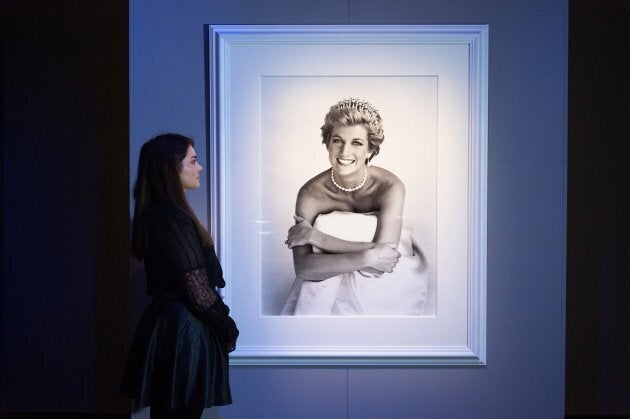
(179, 353)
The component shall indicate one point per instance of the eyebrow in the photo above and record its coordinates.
(352, 139)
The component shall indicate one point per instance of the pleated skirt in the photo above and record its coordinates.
(175, 360)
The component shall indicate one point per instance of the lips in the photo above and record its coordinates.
(345, 162)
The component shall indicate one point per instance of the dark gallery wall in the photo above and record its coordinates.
(598, 233)
(524, 376)
(65, 177)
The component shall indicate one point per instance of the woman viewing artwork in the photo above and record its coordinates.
(352, 253)
(178, 360)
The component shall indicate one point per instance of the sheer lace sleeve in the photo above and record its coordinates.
(206, 303)
(195, 284)
(181, 248)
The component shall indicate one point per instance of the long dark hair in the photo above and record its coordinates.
(158, 182)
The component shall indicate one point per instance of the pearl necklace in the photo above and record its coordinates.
(356, 188)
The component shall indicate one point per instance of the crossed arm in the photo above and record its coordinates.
(341, 256)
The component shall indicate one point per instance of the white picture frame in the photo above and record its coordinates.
(268, 89)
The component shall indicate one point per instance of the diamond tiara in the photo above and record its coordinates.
(358, 104)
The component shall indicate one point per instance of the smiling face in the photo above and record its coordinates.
(348, 149)
(190, 169)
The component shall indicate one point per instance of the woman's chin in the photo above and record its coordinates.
(345, 170)
(190, 187)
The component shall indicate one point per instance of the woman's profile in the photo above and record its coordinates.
(178, 360)
(351, 253)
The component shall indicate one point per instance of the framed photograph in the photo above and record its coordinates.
(370, 141)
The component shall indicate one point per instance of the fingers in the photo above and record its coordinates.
(298, 233)
(388, 257)
(395, 248)
(392, 266)
(388, 250)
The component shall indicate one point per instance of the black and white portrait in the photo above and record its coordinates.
(326, 224)
(367, 189)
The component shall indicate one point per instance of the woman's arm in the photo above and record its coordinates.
(390, 205)
(177, 242)
(319, 266)
(302, 233)
(342, 256)
(390, 201)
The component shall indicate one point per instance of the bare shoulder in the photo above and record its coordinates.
(315, 187)
(387, 181)
(311, 197)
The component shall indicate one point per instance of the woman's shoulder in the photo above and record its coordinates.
(386, 178)
(161, 212)
(314, 197)
(315, 186)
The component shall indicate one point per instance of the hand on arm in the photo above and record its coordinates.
(302, 233)
(340, 256)
(382, 258)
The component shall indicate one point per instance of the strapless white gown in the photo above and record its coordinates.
(400, 293)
